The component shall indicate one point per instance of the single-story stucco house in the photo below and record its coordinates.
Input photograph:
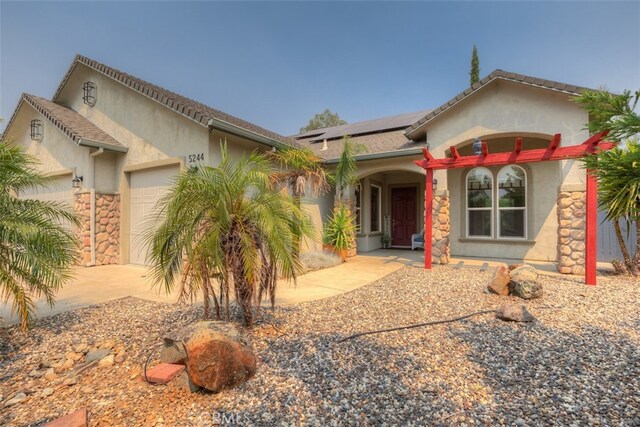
(122, 139)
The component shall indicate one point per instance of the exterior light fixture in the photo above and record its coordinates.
(77, 182)
(435, 184)
(89, 93)
(36, 130)
(477, 146)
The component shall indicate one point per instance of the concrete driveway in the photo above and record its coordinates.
(96, 285)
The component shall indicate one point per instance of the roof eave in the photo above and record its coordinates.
(213, 123)
(382, 155)
(86, 142)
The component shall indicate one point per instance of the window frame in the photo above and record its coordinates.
(378, 209)
(468, 209)
(524, 208)
(358, 206)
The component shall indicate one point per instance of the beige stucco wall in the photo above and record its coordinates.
(541, 217)
(515, 109)
(150, 130)
(56, 151)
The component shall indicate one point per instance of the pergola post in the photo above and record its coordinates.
(591, 229)
(428, 218)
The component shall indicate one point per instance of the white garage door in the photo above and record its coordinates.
(146, 188)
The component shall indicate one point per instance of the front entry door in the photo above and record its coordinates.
(403, 215)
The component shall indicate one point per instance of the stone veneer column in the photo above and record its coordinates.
(571, 229)
(107, 227)
(440, 228)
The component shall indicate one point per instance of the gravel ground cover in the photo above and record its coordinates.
(579, 364)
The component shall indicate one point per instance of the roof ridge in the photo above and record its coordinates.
(494, 75)
(190, 108)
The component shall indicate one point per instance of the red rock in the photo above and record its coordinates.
(499, 283)
(219, 356)
(77, 418)
(163, 373)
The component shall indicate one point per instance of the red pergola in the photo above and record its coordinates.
(552, 152)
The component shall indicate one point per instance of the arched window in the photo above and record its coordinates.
(512, 202)
(479, 203)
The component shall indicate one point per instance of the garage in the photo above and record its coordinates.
(146, 188)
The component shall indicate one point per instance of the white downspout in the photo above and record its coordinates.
(92, 223)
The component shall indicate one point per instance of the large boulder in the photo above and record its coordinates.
(526, 289)
(218, 355)
(524, 273)
(499, 283)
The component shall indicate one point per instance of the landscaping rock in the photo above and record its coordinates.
(499, 283)
(173, 352)
(81, 348)
(77, 418)
(19, 397)
(514, 313)
(185, 382)
(527, 289)
(220, 356)
(107, 361)
(524, 273)
(97, 355)
(47, 392)
(50, 375)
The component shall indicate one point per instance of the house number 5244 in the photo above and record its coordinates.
(194, 159)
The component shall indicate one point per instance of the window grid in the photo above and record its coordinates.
(495, 202)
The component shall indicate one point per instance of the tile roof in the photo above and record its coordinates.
(497, 74)
(382, 142)
(183, 105)
(73, 124)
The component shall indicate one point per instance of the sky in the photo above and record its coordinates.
(276, 64)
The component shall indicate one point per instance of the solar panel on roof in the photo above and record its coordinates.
(370, 126)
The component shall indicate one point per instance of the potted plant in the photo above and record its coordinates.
(338, 232)
(385, 239)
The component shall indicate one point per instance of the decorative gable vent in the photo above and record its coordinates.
(36, 130)
(89, 93)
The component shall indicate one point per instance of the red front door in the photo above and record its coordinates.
(403, 215)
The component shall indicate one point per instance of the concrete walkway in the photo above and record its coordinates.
(96, 285)
(107, 283)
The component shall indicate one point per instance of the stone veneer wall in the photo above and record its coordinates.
(107, 227)
(571, 230)
(440, 228)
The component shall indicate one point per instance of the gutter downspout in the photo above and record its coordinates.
(92, 214)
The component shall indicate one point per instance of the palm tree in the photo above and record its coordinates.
(345, 173)
(301, 166)
(226, 225)
(618, 170)
(37, 249)
(618, 173)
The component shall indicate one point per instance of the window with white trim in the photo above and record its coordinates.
(512, 202)
(506, 205)
(376, 208)
(479, 203)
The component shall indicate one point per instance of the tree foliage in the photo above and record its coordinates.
(345, 173)
(37, 245)
(618, 169)
(611, 112)
(227, 232)
(474, 72)
(300, 167)
(322, 120)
